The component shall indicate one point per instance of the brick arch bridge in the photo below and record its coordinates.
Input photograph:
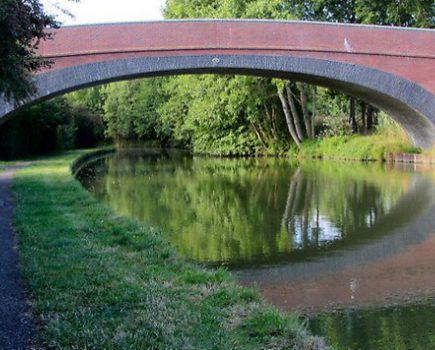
(391, 68)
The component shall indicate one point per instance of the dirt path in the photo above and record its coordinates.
(16, 329)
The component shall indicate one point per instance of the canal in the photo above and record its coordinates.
(349, 245)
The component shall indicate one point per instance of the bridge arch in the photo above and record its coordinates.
(391, 68)
(407, 102)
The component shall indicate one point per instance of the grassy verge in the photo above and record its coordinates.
(3, 165)
(374, 147)
(100, 281)
(388, 139)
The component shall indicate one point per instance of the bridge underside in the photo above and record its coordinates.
(407, 102)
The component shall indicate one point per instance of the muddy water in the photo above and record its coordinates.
(351, 245)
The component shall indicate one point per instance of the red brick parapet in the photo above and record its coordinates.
(408, 53)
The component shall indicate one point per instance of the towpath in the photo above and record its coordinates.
(16, 328)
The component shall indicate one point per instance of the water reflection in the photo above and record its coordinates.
(352, 244)
(399, 328)
(248, 212)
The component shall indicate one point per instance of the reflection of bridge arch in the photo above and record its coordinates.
(409, 223)
(393, 69)
(402, 211)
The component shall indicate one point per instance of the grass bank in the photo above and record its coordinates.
(357, 147)
(3, 165)
(100, 281)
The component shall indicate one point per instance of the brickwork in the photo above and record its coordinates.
(409, 54)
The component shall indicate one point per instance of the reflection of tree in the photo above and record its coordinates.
(404, 327)
(245, 209)
(345, 206)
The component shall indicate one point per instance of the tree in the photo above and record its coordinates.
(23, 25)
(49, 126)
(131, 110)
(404, 13)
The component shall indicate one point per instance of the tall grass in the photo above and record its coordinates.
(389, 138)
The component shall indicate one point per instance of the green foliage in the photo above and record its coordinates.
(408, 13)
(32, 132)
(269, 322)
(233, 296)
(229, 9)
(220, 106)
(389, 138)
(66, 135)
(91, 99)
(183, 110)
(23, 25)
(47, 127)
(333, 113)
(203, 277)
(130, 110)
(355, 147)
(89, 128)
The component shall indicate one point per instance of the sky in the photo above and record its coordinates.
(104, 11)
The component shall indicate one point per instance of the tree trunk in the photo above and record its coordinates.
(352, 117)
(259, 136)
(369, 119)
(294, 112)
(288, 118)
(363, 116)
(271, 117)
(313, 121)
(264, 134)
(304, 104)
(275, 130)
(375, 116)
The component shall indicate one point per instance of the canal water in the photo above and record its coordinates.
(349, 245)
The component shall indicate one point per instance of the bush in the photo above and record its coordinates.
(48, 127)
